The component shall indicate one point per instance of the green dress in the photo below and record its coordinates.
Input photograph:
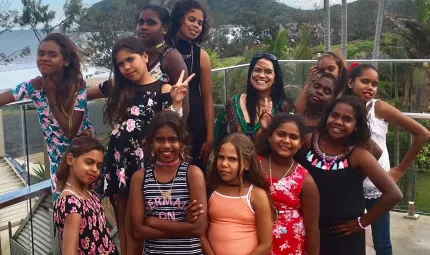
(231, 120)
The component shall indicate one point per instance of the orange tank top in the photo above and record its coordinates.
(232, 224)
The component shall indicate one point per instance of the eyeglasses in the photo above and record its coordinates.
(266, 55)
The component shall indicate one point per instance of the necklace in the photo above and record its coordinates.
(168, 163)
(310, 116)
(270, 170)
(159, 45)
(166, 194)
(80, 193)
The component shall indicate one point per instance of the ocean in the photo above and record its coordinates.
(25, 68)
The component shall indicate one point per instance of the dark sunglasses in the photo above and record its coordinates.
(266, 55)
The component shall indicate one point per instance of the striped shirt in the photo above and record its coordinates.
(169, 209)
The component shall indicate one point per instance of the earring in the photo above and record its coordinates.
(182, 154)
(152, 152)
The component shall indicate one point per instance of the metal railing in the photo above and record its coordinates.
(23, 140)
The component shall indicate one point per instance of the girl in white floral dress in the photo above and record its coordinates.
(133, 99)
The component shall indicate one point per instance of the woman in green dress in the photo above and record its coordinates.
(264, 91)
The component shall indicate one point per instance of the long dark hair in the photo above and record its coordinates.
(81, 144)
(177, 15)
(172, 120)
(123, 91)
(277, 120)
(72, 80)
(357, 72)
(245, 153)
(277, 90)
(359, 137)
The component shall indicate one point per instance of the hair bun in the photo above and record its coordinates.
(352, 66)
(89, 133)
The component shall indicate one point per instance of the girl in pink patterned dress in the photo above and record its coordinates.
(293, 190)
(78, 213)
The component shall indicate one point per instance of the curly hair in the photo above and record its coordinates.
(362, 133)
(72, 80)
(81, 144)
(357, 72)
(179, 11)
(123, 91)
(277, 89)
(278, 120)
(245, 153)
(338, 87)
(175, 122)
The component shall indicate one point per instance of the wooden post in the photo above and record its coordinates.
(62, 28)
(2, 149)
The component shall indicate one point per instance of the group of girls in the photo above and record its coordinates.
(292, 183)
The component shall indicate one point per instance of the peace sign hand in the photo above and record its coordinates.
(266, 114)
(179, 90)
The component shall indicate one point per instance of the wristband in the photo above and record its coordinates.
(179, 112)
(359, 223)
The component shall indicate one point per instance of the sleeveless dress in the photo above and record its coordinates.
(196, 118)
(94, 234)
(174, 209)
(156, 69)
(289, 236)
(124, 154)
(379, 129)
(232, 231)
(231, 120)
(341, 197)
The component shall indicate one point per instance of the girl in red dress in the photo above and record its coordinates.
(293, 190)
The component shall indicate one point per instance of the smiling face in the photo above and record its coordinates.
(263, 75)
(150, 28)
(228, 165)
(50, 61)
(285, 141)
(132, 65)
(192, 25)
(87, 167)
(341, 122)
(321, 92)
(166, 145)
(365, 86)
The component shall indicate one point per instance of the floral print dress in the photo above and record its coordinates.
(125, 149)
(57, 142)
(94, 235)
(289, 236)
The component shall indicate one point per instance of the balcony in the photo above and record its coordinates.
(26, 208)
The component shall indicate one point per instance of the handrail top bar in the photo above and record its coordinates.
(350, 60)
(25, 193)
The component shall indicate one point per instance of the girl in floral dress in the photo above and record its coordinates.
(132, 101)
(78, 213)
(293, 189)
(59, 96)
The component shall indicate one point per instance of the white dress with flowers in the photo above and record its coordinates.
(125, 149)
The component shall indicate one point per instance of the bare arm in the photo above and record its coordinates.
(263, 215)
(173, 64)
(196, 183)
(373, 149)
(208, 106)
(420, 133)
(72, 227)
(6, 98)
(95, 93)
(136, 205)
(206, 246)
(391, 193)
(310, 199)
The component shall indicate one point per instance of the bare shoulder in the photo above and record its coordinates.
(172, 54)
(138, 176)
(258, 194)
(195, 172)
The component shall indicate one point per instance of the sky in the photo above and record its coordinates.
(57, 5)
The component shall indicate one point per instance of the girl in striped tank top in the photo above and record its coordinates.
(240, 208)
(161, 192)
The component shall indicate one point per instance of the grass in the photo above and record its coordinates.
(231, 61)
(423, 193)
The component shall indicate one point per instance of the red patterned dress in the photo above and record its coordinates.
(289, 236)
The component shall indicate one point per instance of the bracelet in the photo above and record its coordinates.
(179, 112)
(359, 223)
